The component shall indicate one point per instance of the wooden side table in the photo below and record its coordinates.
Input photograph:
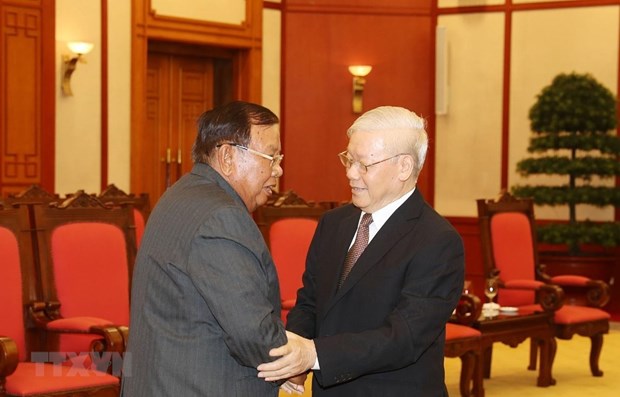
(512, 329)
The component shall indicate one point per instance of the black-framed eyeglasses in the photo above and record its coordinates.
(363, 168)
(276, 159)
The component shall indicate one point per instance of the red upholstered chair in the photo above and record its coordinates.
(18, 375)
(509, 247)
(86, 255)
(290, 239)
(140, 204)
(463, 341)
(288, 205)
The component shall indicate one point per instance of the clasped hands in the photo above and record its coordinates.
(296, 357)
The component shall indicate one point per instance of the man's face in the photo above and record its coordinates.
(379, 186)
(254, 178)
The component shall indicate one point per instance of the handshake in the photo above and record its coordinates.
(296, 357)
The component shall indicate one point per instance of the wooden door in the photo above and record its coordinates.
(179, 89)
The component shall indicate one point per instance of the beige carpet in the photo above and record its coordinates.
(510, 377)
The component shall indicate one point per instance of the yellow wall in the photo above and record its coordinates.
(78, 118)
(543, 44)
(546, 43)
(468, 139)
(468, 143)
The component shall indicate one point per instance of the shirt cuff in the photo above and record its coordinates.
(316, 365)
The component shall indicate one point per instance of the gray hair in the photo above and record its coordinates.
(413, 140)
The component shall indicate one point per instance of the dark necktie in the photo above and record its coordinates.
(361, 241)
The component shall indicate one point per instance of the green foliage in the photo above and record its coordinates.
(605, 143)
(574, 103)
(605, 234)
(599, 196)
(573, 122)
(582, 167)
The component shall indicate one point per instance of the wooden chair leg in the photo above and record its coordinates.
(595, 353)
(488, 356)
(468, 363)
(533, 354)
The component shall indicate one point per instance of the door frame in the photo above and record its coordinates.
(244, 39)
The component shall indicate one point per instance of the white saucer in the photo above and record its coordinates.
(509, 309)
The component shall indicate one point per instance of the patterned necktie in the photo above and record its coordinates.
(361, 241)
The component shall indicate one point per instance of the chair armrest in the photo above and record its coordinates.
(9, 357)
(112, 339)
(583, 290)
(549, 296)
(468, 309)
(529, 285)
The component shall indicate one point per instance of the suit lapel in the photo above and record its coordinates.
(399, 224)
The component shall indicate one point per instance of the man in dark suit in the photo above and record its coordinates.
(205, 308)
(377, 329)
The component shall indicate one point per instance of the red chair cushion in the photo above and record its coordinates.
(82, 324)
(39, 378)
(568, 314)
(457, 331)
(570, 280)
(11, 309)
(91, 272)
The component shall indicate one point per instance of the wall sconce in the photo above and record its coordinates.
(359, 73)
(70, 62)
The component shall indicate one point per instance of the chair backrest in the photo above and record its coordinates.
(508, 242)
(287, 205)
(34, 194)
(18, 278)
(140, 204)
(290, 239)
(86, 256)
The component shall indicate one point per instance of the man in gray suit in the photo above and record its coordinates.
(205, 308)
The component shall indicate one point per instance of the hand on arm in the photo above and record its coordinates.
(297, 356)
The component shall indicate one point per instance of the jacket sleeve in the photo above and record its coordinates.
(232, 270)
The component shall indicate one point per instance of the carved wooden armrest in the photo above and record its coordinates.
(550, 297)
(595, 293)
(9, 357)
(111, 341)
(468, 309)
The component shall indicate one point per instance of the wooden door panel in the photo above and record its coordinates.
(26, 95)
(156, 137)
(178, 89)
(195, 96)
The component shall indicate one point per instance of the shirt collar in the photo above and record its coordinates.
(381, 216)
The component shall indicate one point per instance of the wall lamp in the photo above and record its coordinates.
(359, 73)
(79, 48)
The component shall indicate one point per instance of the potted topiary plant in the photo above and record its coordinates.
(573, 122)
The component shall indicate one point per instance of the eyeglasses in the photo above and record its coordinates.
(348, 162)
(276, 159)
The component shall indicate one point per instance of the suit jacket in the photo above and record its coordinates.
(205, 308)
(382, 333)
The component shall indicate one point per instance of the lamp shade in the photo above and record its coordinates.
(360, 70)
(80, 47)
